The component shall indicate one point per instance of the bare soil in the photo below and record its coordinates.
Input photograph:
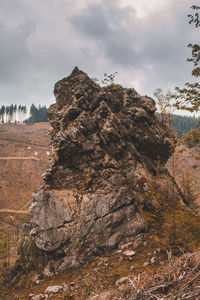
(184, 167)
(23, 158)
(24, 151)
(20, 176)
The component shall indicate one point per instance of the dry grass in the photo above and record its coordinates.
(20, 178)
(179, 279)
(183, 166)
(169, 277)
(97, 275)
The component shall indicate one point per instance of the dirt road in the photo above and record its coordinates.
(15, 211)
(18, 158)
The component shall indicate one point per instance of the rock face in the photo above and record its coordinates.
(105, 145)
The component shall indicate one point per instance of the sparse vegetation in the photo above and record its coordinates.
(164, 105)
(165, 260)
(175, 226)
(188, 98)
(29, 255)
(176, 279)
(108, 81)
(21, 140)
(109, 78)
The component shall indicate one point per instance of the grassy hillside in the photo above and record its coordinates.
(159, 257)
(19, 178)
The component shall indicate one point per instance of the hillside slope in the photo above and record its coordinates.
(183, 166)
(20, 177)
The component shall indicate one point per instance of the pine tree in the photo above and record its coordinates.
(15, 113)
(3, 109)
(11, 110)
(37, 114)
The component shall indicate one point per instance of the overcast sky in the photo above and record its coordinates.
(145, 41)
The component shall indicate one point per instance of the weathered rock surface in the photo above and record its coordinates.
(56, 289)
(105, 146)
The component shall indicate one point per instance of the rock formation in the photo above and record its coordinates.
(105, 144)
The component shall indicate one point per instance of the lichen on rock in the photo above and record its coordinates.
(105, 144)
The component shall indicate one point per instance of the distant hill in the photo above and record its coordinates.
(182, 124)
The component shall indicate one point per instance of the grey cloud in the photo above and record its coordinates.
(13, 51)
(41, 42)
(159, 41)
(103, 22)
(92, 21)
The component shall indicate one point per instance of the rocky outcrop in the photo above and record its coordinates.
(105, 142)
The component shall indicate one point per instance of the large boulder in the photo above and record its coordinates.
(105, 143)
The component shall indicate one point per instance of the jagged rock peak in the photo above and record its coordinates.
(76, 71)
(105, 145)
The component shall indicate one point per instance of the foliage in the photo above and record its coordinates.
(15, 114)
(176, 225)
(190, 191)
(183, 124)
(37, 114)
(164, 105)
(192, 140)
(29, 255)
(107, 80)
(188, 98)
(12, 113)
(5, 247)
